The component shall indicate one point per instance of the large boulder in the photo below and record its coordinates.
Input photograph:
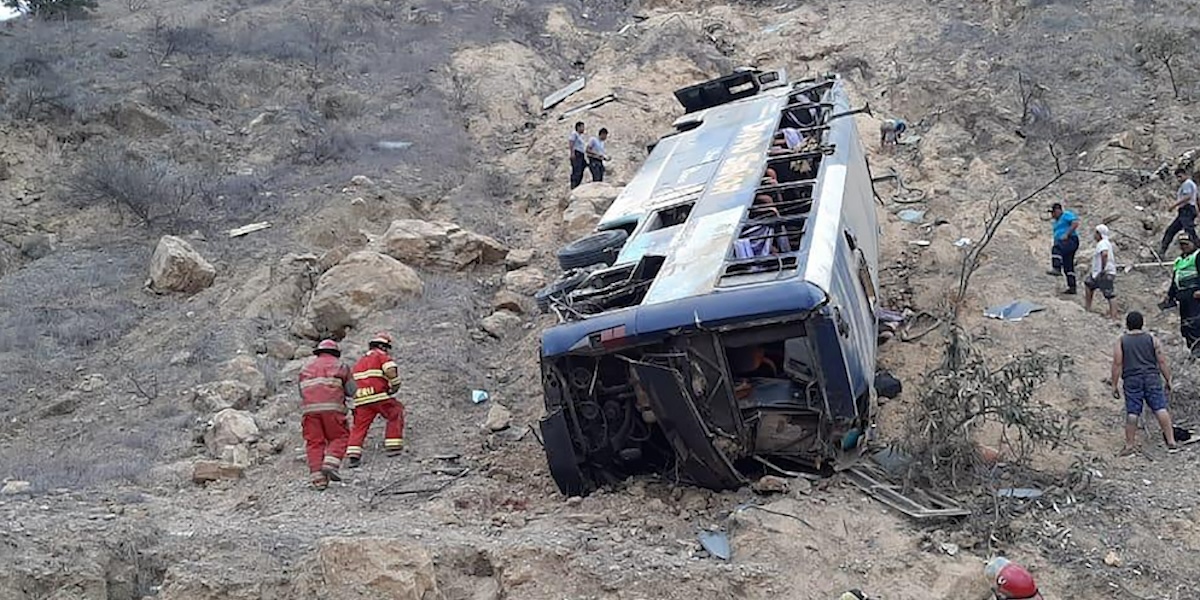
(220, 395)
(230, 427)
(177, 267)
(371, 568)
(500, 323)
(526, 280)
(244, 369)
(363, 283)
(586, 205)
(439, 244)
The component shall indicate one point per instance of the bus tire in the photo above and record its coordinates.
(600, 247)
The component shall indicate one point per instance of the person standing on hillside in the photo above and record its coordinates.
(377, 379)
(1103, 275)
(1185, 210)
(1185, 292)
(596, 155)
(890, 131)
(1138, 362)
(578, 149)
(325, 384)
(1066, 243)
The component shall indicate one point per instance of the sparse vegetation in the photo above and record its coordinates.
(152, 190)
(51, 9)
(1165, 45)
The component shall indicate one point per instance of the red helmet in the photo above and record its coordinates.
(1015, 583)
(329, 346)
(382, 338)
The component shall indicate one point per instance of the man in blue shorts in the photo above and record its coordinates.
(1139, 361)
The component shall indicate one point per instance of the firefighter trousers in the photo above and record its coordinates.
(325, 440)
(393, 435)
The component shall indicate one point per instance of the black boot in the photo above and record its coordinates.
(353, 462)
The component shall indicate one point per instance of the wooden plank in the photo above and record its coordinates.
(251, 228)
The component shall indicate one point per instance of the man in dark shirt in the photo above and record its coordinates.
(1139, 361)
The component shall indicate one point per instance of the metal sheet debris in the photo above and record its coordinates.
(911, 215)
(962, 242)
(563, 93)
(1013, 311)
(598, 102)
(251, 228)
(479, 396)
(389, 145)
(1022, 493)
(716, 543)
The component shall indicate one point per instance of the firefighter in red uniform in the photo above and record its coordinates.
(376, 378)
(325, 384)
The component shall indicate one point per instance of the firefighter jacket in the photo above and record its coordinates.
(324, 385)
(375, 376)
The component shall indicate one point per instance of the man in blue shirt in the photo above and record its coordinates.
(1066, 243)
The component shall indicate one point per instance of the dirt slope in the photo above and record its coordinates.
(279, 105)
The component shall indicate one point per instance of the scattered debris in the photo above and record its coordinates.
(911, 215)
(917, 503)
(921, 243)
(564, 92)
(14, 487)
(774, 28)
(205, 471)
(590, 105)
(949, 548)
(770, 484)
(1013, 311)
(1112, 559)
(479, 396)
(1022, 493)
(716, 543)
(923, 322)
(251, 228)
(625, 29)
(388, 145)
(962, 242)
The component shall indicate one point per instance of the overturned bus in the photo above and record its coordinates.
(723, 315)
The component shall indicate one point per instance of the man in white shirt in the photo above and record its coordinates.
(1104, 272)
(578, 147)
(1185, 207)
(596, 155)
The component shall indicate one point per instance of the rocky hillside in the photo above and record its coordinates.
(150, 342)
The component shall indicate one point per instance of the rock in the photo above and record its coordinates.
(230, 427)
(363, 283)
(204, 471)
(361, 181)
(134, 119)
(237, 455)
(1126, 140)
(363, 568)
(526, 281)
(439, 244)
(1111, 559)
(500, 322)
(800, 487)
(244, 369)
(499, 418)
(281, 348)
(586, 205)
(770, 484)
(515, 259)
(509, 301)
(92, 383)
(949, 548)
(15, 486)
(36, 245)
(220, 395)
(177, 267)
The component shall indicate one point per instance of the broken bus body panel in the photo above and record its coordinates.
(691, 356)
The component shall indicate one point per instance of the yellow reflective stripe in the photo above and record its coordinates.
(369, 373)
(396, 443)
(322, 407)
(353, 450)
(372, 398)
(388, 365)
(333, 381)
(394, 382)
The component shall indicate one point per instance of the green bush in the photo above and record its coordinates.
(52, 8)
